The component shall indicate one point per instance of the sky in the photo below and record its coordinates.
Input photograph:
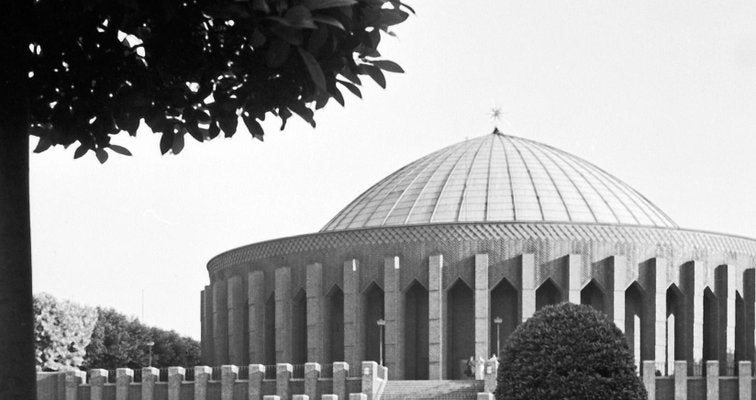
(659, 94)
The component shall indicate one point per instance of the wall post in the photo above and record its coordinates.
(124, 377)
(369, 379)
(256, 376)
(649, 378)
(744, 380)
(490, 372)
(283, 376)
(176, 376)
(73, 380)
(681, 380)
(202, 374)
(311, 376)
(150, 375)
(340, 373)
(97, 380)
(229, 373)
(712, 380)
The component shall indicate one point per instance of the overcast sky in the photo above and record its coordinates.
(660, 94)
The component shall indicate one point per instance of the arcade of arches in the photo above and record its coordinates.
(432, 325)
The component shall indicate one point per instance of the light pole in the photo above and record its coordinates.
(149, 345)
(381, 324)
(498, 322)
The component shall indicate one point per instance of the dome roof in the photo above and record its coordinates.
(499, 178)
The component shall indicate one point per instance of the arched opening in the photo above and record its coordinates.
(710, 324)
(675, 328)
(460, 328)
(592, 295)
(334, 329)
(633, 318)
(504, 306)
(373, 311)
(547, 294)
(299, 328)
(269, 331)
(416, 332)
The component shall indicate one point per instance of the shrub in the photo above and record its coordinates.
(568, 351)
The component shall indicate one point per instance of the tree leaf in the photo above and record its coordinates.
(351, 87)
(374, 73)
(261, 5)
(120, 150)
(316, 73)
(228, 124)
(178, 143)
(337, 95)
(43, 144)
(325, 19)
(387, 65)
(166, 141)
(300, 17)
(80, 151)
(320, 4)
(102, 155)
(254, 127)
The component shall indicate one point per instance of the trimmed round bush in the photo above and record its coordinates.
(568, 351)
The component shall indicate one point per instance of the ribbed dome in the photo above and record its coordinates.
(499, 178)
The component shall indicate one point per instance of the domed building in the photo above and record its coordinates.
(442, 259)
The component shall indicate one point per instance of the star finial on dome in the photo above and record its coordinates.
(496, 115)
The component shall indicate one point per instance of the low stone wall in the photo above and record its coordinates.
(677, 386)
(74, 385)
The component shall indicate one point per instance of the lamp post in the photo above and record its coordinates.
(498, 322)
(381, 325)
(149, 345)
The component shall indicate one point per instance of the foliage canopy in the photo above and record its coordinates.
(568, 351)
(195, 67)
(62, 331)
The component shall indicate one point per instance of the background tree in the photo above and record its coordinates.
(80, 71)
(564, 352)
(62, 332)
(119, 341)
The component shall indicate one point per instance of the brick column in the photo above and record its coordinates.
(340, 372)
(256, 315)
(619, 283)
(124, 377)
(749, 300)
(256, 376)
(220, 322)
(575, 279)
(724, 288)
(393, 311)
(653, 279)
(229, 373)
(97, 380)
(436, 308)
(176, 376)
(202, 374)
(482, 310)
(283, 315)
(353, 343)
(527, 286)
(236, 309)
(712, 380)
(311, 376)
(150, 375)
(283, 378)
(73, 380)
(315, 316)
(692, 284)
(208, 345)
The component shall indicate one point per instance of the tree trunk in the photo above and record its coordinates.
(17, 364)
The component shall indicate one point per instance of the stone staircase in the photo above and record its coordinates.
(435, 390)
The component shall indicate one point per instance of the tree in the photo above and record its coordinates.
(568, 351)
(80, 71)
(119, 341)
(62, 331)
